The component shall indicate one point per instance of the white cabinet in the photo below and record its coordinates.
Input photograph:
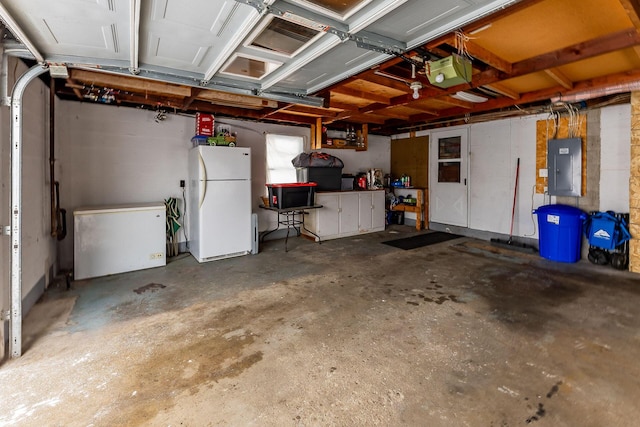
(346, 213)
(371, 211)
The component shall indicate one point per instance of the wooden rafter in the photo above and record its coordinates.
(559, 77)
(361, 94)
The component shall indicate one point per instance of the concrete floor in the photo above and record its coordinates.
(349, 332)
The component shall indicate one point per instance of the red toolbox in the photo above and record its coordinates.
(293, 195)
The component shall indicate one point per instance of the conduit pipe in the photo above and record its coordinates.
(15, 343)
(596, 93)
(52, 153)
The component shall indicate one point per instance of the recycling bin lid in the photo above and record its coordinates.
(557, 209)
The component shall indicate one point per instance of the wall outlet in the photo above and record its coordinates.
(543, 173)
(182, 183)
(157, 255)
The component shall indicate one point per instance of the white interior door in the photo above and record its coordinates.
(448, 189)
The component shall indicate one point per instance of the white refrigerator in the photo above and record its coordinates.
(219, 202)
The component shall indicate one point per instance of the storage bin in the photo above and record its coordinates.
(606, 230)
(560, 232)
(283, 196)
(327, 178)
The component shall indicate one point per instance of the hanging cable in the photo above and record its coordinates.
(184, 216)
(533, 222)
(461, 40)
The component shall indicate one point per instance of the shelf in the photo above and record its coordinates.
(319, 138)
(420, 208)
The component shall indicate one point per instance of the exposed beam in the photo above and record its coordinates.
(189, 100)
(425, 110)
(503, 90)
(559, 77)
(310, 111)
(593, 85)
(360, 94)
(281, 107)
(372, 107)
(236, 100)
(632, 7)
(135, 84)
(342, 105)
(293, 118)
(72, 84)
(368, 118)
(380, 79)
(457, 102)
(600, 46)
(508, 11)
(488, 58)
(388, 112)
(595, 47)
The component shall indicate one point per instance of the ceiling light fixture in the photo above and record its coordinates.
(469, 97)
(477, 30)
(416, 86)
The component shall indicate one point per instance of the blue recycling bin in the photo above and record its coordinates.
(560, 232)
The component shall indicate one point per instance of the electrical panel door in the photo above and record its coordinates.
(564, 161)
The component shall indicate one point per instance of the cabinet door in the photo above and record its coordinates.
(364, 211)
(348, 213)
(327, 217)
(377, 210)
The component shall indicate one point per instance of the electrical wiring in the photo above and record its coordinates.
(461, 40)
(552, 110)
(533, 222)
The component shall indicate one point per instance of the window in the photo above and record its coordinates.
(281, 149)
(449, 159)
(284, 37)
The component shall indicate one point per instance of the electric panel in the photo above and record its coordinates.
(564, 163)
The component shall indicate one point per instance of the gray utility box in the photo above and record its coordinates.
(564, 161)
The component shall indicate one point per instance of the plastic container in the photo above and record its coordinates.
(284, 196)
(327, 178)
(560, 232)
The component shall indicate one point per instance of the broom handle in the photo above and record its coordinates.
(515, 193)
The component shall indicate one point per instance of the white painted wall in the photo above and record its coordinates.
(615, 152)
(112, 155)
(38, 247)
(494, 150)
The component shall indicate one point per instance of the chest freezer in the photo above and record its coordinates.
(116, 239)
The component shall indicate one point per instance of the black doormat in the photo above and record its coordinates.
(421, 240)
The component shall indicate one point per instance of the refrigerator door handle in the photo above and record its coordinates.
(204, 182)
